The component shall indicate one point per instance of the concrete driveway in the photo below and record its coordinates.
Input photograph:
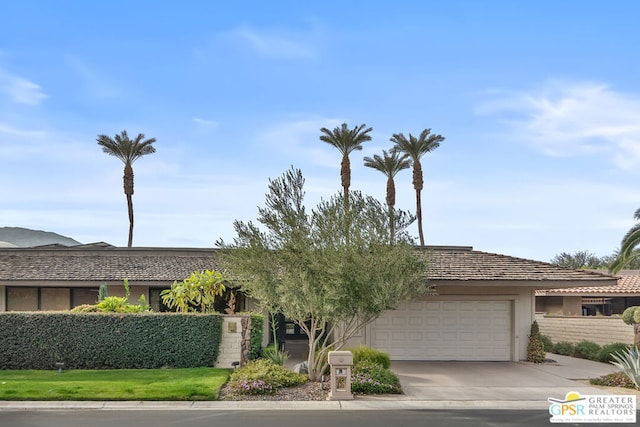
(498, 381)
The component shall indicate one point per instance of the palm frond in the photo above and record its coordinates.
(344, 139)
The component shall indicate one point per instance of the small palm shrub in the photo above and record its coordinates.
(605, 353)
(535, 347)
(262, 377)
(275, 355)
(628, 361)
(587, 350)
(368, 354)
(564, 348)
(371, 378)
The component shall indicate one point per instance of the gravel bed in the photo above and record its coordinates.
(308, 391)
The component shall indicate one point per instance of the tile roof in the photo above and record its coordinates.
(102, 264)
(463, 263)
(98, 263)
(628, 283)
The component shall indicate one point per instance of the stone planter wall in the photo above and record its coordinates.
(235, 343)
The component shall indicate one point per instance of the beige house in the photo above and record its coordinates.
(592, 300)
(483, 307)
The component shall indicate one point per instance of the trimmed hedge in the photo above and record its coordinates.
(255, 346)
(36, 340)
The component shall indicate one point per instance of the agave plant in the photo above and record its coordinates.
(628, 361)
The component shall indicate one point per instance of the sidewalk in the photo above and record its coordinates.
(427, 385)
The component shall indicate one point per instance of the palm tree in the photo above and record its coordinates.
(128, 151)
(390, 165)
(416, 148)
(346, 140)
(628, 248)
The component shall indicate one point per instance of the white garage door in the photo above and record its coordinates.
(445, 330)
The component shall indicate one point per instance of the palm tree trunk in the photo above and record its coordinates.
(391, 202)
(128, 190)
(418, 183)
(130, 208)
(345, 177)
(419, 216)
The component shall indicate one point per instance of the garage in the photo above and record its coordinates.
(446, 330)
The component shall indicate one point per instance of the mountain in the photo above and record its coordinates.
(26, 238)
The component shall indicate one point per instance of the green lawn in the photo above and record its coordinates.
(120, 384)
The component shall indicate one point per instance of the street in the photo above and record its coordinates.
(274, 418)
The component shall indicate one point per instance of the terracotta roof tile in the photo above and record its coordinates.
(628, 283)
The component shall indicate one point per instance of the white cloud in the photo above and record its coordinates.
(21, 90)
(299, 139)
(14, 131)
(93, 81)
(204, 122)
(276, 43)
(567, 119)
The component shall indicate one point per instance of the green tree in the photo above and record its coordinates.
(577, 260)
(535, 347)
(629, 251)
(390, 165)
(346, 140)
(199, 290)
(416, 148)
(304, 265)
(127, 150)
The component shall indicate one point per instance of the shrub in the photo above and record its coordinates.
(564, 348)
(617, 379)
(535, 347)
(628, 361)
(368, 354)
(547, 343)
(371, 378)
(108, 340)
(605, 353)
(630, 314)
(262, 377)
(255, 341)
(275, 355)
(587, 350)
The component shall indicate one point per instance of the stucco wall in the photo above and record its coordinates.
(599, 329)
(55, 298)
(523, 310)
(3, 302)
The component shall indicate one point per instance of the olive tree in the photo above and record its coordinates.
(330, 270)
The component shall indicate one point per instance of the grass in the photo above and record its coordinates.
(120, 384)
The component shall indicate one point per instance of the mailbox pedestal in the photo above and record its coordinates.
(340, 364)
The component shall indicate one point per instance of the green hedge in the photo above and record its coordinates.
(257, 321)
(36, 340)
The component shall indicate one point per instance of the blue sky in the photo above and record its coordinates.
(539, 103)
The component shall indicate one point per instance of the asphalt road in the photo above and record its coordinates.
(274, 418)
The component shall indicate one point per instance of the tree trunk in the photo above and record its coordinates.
(419, 216)
(391, 202)
(128, 190)
(418, 184)
(130, 208)
(345, 177)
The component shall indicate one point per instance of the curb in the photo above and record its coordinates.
(345, 405)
